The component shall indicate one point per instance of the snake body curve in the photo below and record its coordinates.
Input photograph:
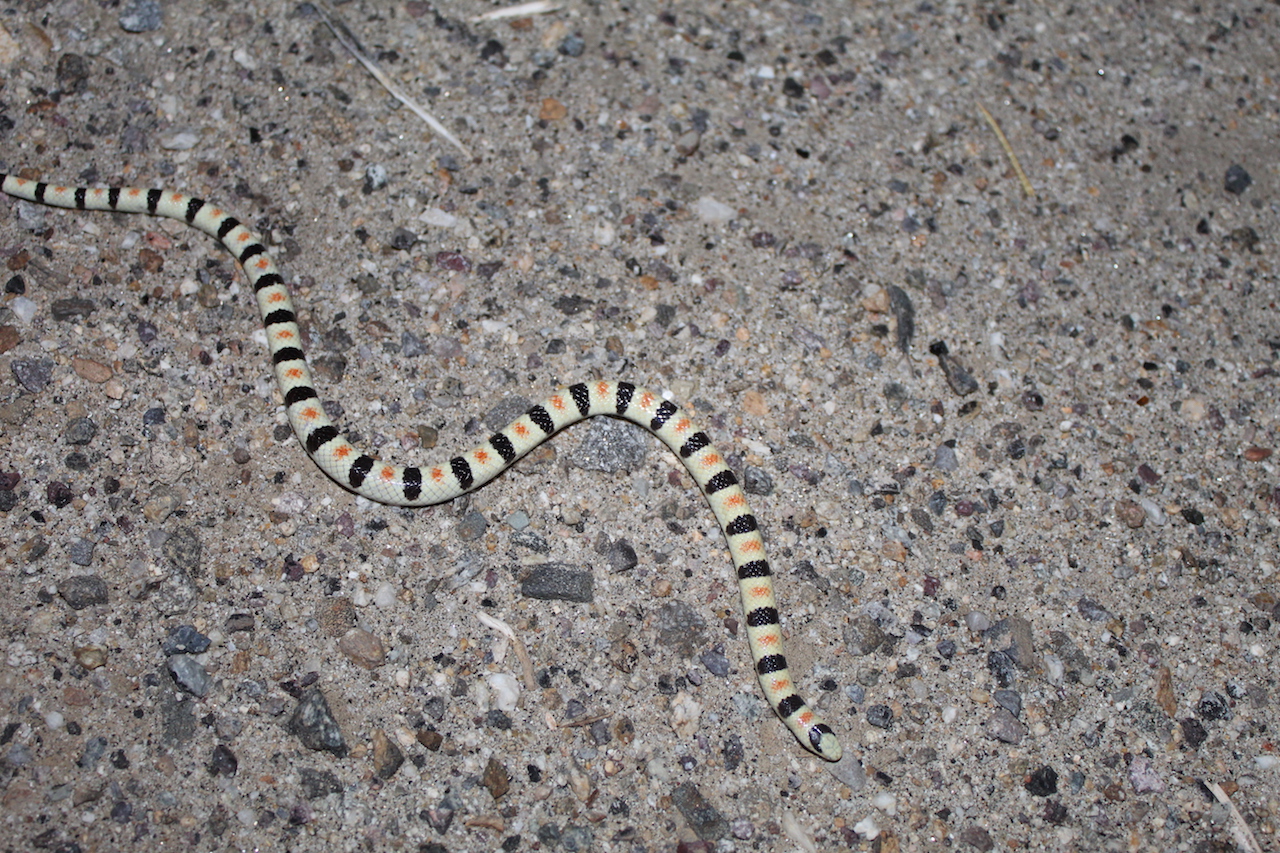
(437, 483)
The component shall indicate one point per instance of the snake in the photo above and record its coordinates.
(426, 485)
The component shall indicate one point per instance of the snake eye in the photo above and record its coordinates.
(815, 738)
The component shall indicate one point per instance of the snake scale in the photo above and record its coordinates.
(437, 483)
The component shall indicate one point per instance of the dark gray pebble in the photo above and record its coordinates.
(190, 674)
(141, 16)
(558, 582)
(572, 45)
(33, 374)
(223, 762)
(1042, 782)
(577, 839)
(411, 346)
(680, 626)
(535, 542)
(184, 640)
(862, 635)
(880, 716)
(239, 622)
(621, 556)
(434, 708)
(183, 550)
(715, 662)
(756, 481)
(318, 783)
(441, 816)
(72, 309)
(701, 816)
(403, 239)
(94, 749)
(80, 551)
(1002, 668)
(1237, 180)
(80, 431)
(313, 724)
(472, 526)
(81, 591)
(611, 446)
(1214, 706)
(1093, 611)
(944, 458)
(1010, 700)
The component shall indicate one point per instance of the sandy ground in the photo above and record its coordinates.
(1012, 452)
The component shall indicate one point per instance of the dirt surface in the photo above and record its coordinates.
(1012, 453)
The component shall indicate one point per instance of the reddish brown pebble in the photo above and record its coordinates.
(90, 370)
(496, 778)
(151, 261)
(362, 648)
(1131, 514)
(9, 338)
(1257, 454)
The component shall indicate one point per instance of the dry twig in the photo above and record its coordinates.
(350, 42)
(522, 654)
(1008, 150)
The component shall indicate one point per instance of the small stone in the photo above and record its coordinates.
(80, 551)
(1003, 726)
(223, 762)
(190, 674)
(1042, 782)
(387, 757)
(977, 838)
(472, 526)
(557, 582)
(1130, 514)
(33, 374)
(1237, 180)
(318, 783)
(496, 778)
(185, 640)
(141, 16)
(337, 616)
(238, 622)
(862, 635)
(313, 724)
(710, 210)
(362, 648)
(702, 817)
(552, 110)
(880, 716)
(80, 431)
(81, 591)
(1143, 776)
(91, 657)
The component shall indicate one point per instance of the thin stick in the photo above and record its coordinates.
(520, 10)
(1243, 835)
(1008, 150)
(349, 41)
(522, 654)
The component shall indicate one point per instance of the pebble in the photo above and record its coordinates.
(680, 626)
(1237, 180)
(862, 635)
(880, 716)
(716, 662)
(611, 445)
(496, 778)
(702, 817)
(362, 648)
(506, 691)
(472, 526)
(318, 783)
(80, 551)
(313, 724)
(387, 756)
(1144, 777)
(1042, 782)
(621, 556)
(558, 582)
(90, 657)
(33, 374)
(223, 762)
(81, 591)
(141, 16)
(190, 674)
(1004, 726)
(239, 622)
(711, 210)
(183, 140)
